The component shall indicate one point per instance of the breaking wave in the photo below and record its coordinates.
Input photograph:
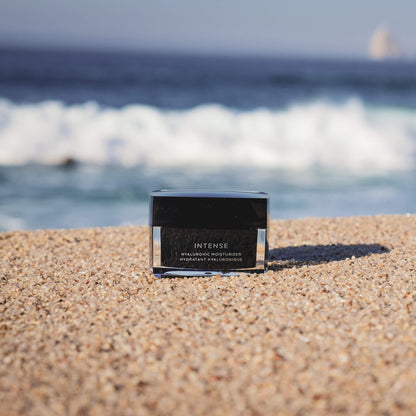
(347, 136)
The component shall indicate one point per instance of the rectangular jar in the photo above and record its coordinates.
(199, 233)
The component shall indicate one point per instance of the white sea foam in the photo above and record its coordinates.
(345, 136)
(9, 223)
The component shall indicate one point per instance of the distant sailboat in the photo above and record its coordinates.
(383, 45)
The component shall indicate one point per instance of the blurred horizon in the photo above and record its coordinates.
(35, 47)
(235, 27)
(198, 52)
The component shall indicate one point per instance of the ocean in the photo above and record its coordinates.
(85, 136)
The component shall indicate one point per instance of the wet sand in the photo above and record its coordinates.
(86, 329)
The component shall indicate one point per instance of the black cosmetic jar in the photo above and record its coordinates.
(198, 233)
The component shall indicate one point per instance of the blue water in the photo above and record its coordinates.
(84, 136)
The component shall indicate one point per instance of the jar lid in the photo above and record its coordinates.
(209, 209)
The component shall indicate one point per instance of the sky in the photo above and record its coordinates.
(262, 27)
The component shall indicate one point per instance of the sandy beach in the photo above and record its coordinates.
(86, 329)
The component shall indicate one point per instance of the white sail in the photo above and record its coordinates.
(383, 45)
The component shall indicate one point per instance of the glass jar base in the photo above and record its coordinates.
(168, 272)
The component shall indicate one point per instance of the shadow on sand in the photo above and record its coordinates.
(286, 257)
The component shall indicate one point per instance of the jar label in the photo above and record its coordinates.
(207, 249)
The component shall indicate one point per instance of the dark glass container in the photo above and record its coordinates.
(195, 232)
